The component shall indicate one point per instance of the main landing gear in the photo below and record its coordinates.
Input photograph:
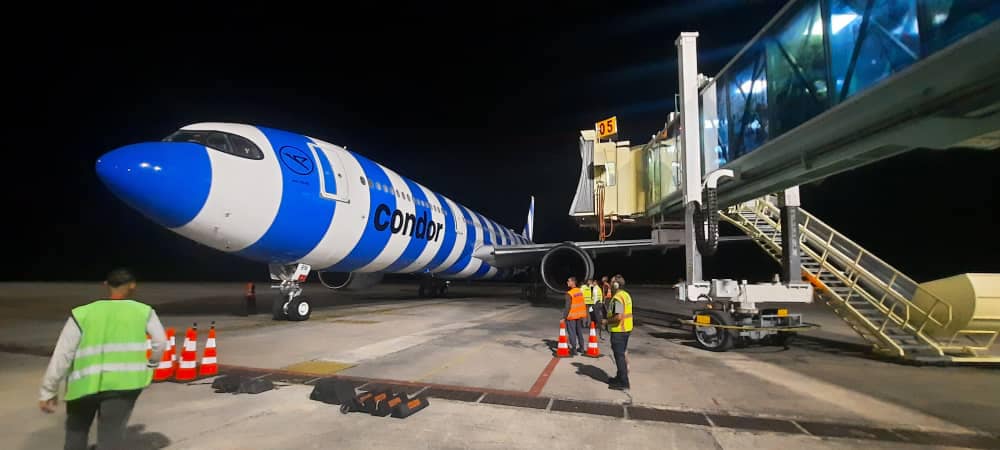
(433, 287)
(290, 305)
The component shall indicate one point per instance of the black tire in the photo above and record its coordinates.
(781, 339)
(299, 309)
(345, 408)
(715, 339)
(443, 291)
(421, 292)
(277, 309)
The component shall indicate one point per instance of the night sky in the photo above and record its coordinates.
(481, 102)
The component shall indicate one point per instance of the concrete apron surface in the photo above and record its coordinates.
(487, 365)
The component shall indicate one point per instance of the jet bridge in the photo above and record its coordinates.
(826, 86)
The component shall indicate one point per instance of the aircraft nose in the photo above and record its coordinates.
(166, 181)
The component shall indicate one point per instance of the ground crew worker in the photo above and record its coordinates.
(588, 299)
(606, 287)
(600, 308)
(620, 325)
(102, 354)
(574, 313)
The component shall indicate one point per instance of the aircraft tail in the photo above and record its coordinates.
(529, 227)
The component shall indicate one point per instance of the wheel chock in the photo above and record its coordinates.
(384, 408)
(407, 408)
(372, 403)
(363, 402)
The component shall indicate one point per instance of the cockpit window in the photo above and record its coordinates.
(224, 142)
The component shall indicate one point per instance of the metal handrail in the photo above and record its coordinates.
(881, 338)
(871, 278)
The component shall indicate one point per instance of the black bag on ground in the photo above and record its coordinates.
(255, 386)
(332, 391)
(227, 383)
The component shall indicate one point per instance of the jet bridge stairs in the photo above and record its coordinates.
(872, 297)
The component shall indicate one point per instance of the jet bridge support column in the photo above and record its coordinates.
(690, 149)
(791, 259)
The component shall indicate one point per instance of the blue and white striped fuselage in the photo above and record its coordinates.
(305, 201)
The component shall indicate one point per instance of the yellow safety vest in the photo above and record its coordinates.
(588, 295)
(577, 308)
(625, 325)
(111, 355)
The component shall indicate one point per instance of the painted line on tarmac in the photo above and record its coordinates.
(544, 377)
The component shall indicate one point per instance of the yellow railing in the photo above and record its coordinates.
(854, 270)
(867, 330)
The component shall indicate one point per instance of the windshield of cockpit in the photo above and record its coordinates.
(217, 140)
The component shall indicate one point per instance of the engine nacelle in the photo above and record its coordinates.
(563, 261)
(349, 281)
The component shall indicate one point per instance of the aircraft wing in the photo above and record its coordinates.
(528, 254)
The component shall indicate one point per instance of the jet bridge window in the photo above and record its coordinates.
(225, 142)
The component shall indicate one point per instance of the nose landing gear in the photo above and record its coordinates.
(290, 305)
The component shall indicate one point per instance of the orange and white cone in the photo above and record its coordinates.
(173, 350)
(166, 367)
(592, 349)
(563, 349)
(149, 346)
(209, 365)
(189, 358)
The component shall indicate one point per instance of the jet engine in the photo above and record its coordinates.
(349, 281)
(563, 261)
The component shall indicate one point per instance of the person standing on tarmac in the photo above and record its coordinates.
(600, 310)
(575, 313)
(588, 299)
(619, 320)
(102, 354)
(606, 288)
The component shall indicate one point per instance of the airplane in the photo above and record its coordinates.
(302, 204)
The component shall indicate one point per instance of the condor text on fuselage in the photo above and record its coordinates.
(406, 223)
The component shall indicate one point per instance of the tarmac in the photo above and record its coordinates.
(485, 361)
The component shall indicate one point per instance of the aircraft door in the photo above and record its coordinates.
(332, 179)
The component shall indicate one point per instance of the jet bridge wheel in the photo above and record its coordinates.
(713, 338)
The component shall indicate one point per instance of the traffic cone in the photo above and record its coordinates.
(592, 349)
(563, 349)
(166, 367)
(173, 350)
(209, 366)
(149, 346)
(189, 359)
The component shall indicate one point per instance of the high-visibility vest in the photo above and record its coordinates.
(588, 295)
(607, 290)
(577, 307)
(111, 355)
(597, 293)
(625, 325)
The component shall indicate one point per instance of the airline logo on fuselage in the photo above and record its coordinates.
(406, 223)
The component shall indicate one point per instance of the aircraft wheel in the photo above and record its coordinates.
(299, 309)
(278, 309)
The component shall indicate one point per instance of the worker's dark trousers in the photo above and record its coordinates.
(574, 331)
(595, 316)
(619, 343)
(113, 409)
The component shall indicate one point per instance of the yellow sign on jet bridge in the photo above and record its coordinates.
(607, 127)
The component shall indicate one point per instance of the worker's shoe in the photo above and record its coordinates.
(618, 386)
